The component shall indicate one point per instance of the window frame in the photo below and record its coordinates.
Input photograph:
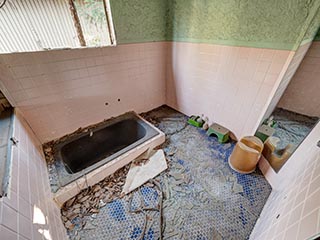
(37, 44)
(6, 152)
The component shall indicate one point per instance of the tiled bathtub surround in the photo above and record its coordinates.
(292, 211)
(28, 212)
(60, 91)
(100, 173)
(231, 85)
(305, 83)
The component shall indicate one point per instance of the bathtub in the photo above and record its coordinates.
(90, 156)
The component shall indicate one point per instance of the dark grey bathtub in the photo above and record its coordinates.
(89, 150)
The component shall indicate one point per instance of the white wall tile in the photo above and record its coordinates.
(312, 203)
(63, 90)
(242, 83)
(295, 197)
(288, 72)
(308, 225)
(25, 227)
(7, 234)
(292, 232)
(9, 218)
(302, 94)
(17, 220)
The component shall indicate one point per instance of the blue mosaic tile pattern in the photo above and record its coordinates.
(114, 221)
(210, 201)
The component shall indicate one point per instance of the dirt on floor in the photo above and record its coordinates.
(198, 197)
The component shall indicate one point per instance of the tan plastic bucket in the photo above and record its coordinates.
(246, 154)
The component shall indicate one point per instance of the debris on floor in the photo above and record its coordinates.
(292, 127)
(198, 197)
(87, 203)
(147, 210)
(203, 197)
(139, 172)
(53, 176)
(79, 213)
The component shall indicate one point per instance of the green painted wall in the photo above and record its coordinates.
(312, 33)
(278, 24)
(139, 20)
(317, 37)
(264, 23)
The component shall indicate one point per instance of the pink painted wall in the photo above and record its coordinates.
(230, 85)
(60, 91)
(29, 190)
(295, 198)
(303, 92)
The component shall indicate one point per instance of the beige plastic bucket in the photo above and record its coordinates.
(246, 154)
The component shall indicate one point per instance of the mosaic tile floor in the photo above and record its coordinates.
(203, 197)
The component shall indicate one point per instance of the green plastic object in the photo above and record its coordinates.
(221, 132)
(263, 132)
(271, 123)
(195, 121)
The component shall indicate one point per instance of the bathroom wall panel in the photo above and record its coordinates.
(230, 85)
(289, 72)
(292, 210)
(60, 91)
(302, 94)
(28, 212)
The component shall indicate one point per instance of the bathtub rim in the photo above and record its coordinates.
(65, 177)
(95, 176)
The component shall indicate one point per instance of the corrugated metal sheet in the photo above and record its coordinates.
(35, 25)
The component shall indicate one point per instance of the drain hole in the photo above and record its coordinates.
(118, 99)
